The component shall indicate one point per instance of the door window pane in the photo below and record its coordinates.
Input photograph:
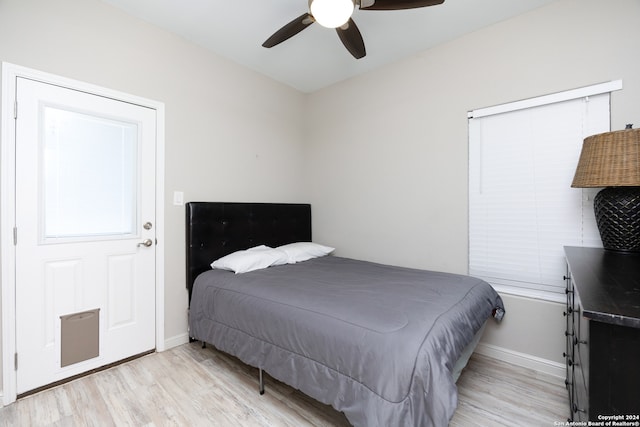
(89, 170)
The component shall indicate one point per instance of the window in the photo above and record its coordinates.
(89, 176)
(522, 210)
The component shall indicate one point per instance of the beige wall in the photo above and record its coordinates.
(231, 134)
(385, 169)
(388, 162)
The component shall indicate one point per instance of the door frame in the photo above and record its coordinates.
(10, 73)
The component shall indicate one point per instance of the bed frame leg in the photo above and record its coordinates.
(261, 379)
(204, 344)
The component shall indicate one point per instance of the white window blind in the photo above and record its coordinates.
(522, 209)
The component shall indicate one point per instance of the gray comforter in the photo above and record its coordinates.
(374, 341)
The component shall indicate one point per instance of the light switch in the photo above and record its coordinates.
(178, 198)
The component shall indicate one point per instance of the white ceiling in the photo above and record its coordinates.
(315, 58)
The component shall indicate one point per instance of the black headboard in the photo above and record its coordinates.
(216, 229)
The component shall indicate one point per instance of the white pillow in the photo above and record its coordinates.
(280, 256)
(302, 251)
(251, 259)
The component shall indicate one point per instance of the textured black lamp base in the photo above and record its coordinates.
(617, 212)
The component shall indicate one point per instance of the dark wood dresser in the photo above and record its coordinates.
(603, 334)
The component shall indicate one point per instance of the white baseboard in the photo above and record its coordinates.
(522, 359)
(176, 341)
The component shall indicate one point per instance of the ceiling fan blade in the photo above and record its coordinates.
(289, 30)
(352, 39)
(397, 4)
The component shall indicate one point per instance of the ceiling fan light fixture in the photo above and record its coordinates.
(331, 13)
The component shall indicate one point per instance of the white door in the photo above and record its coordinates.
(85, 232)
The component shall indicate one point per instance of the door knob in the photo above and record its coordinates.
(146, 243)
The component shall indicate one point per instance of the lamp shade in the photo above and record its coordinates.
(609, 159)
(612, 160)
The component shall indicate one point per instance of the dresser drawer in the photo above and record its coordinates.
(580, 398)
(581, 346)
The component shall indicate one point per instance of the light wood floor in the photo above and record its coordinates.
(190, 386)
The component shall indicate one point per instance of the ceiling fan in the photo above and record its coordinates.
(337, 14)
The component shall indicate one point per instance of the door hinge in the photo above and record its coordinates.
(15, 109)
(15, 361)
(15, 236)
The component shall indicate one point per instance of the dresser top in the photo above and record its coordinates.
(608, 284)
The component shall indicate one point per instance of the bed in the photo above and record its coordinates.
(382, 344)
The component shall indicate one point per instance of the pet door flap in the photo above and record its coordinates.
(80, 337)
